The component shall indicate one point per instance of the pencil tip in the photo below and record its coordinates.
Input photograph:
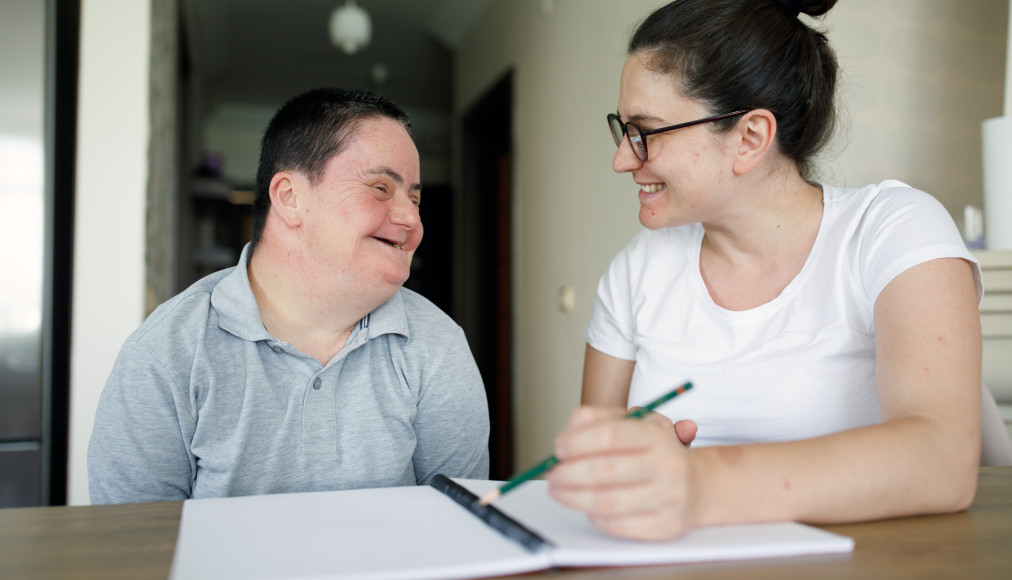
(489, 497)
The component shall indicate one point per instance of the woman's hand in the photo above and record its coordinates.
(633, 478)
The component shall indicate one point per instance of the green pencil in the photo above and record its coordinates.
(550, 462)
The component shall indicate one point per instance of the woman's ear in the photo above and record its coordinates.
(284, 194)
(756, 132)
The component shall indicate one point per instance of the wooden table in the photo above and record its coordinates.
(137, 541)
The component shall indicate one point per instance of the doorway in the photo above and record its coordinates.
(485, 254)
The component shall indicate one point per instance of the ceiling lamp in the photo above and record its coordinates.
(350, 27)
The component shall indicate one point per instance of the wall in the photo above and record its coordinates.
(920, 77)
(108, 299)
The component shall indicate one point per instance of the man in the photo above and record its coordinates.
(306, 367)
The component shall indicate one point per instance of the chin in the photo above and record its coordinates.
(651, 221)
(660, 218)
(397, 279)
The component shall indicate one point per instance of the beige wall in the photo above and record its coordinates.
(920, 77)
(112, 168)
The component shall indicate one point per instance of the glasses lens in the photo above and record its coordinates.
(615, 124)
(637, 140)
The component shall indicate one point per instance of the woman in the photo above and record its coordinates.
(831, 334)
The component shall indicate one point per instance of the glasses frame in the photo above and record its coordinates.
(612, 117)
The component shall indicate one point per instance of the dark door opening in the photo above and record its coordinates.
(486, 305)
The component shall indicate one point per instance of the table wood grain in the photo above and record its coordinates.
(136, 542)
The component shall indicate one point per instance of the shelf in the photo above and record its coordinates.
(218, 189)
(210, 188)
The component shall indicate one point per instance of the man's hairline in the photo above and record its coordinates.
(351, 134)
(348, 141)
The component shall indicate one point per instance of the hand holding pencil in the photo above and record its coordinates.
(633, 479)
(550, 462)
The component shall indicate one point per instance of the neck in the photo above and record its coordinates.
(297, 305)
(780, 218)
(749, 257)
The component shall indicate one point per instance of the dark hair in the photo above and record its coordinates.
(306, 133)
(750, 54)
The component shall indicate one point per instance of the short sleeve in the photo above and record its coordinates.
(138, 450)
(906, 227)
(610, 328)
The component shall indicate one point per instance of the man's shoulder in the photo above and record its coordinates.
(419, 307)
(424, 317)
(181, 316)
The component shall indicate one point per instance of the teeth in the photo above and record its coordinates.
(398, 246)
(652, 187)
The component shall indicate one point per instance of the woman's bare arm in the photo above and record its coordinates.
(606, 379)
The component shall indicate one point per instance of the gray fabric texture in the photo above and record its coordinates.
(204, 402)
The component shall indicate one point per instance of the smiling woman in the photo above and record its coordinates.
(831, 334)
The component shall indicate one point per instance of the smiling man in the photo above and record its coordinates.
(306, 367)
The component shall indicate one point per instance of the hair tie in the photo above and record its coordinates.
(791, 7)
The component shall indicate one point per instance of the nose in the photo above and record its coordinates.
(404, 212)
(625, 159)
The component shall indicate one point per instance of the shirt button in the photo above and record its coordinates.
(317, 383)
(277, 349)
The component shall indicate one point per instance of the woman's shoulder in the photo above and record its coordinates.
(664, 241)
(891, 192)
(655, 255)
(890, 205)
(890, 226)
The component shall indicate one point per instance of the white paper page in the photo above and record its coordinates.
(391, 533)
(580, 544)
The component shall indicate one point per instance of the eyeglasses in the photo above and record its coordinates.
(638, 137)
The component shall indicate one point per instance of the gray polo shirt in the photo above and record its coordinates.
(204, 402)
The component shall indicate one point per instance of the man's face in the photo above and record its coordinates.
(361, 220)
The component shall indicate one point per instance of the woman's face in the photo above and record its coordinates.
(683, 180)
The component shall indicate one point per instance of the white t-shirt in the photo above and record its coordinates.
(799, 366)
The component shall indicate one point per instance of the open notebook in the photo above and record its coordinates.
(418, 532)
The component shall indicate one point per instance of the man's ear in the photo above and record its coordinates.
(284, 193)
(756, 132)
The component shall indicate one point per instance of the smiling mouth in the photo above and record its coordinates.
(652, 187)
(391, 243)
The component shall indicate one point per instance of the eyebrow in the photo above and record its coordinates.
(642, 118)
(393, 175)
